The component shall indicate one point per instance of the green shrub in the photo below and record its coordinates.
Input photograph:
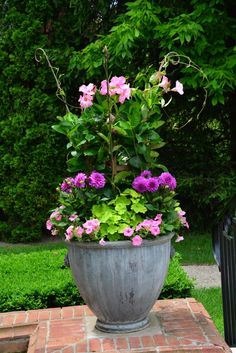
(39, 279)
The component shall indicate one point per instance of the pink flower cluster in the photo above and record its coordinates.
(117, 85)
(86, 100)
(166, 84)
(95, 180)
(151, 226)
(57, 216)
(146, 182)
(89, 227)
(182, 218)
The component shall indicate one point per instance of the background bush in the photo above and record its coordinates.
(39, 279)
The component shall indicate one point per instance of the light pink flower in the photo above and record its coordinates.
(86, 101)
(54, 231)
(91, 225)
(56, 215)
(128, 232)
(49, 224)
(73, 217)
(69, 233)
(158, 218)
(125, 93)
(179, 238)
(79, 232)
(103, 89)
(178, 88)
(137, 240)
(165, 83)
(182, 219)
(155, 230)
(90, 89)
(102, 242)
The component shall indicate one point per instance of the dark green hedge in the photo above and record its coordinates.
(39, 279)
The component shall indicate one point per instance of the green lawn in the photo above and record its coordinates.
(212, 300)
(196, 249)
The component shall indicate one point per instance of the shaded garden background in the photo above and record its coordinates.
(201, 154)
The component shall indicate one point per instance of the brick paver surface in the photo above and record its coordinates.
(181, 326)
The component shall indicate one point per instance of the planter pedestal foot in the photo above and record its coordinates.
(122, 327)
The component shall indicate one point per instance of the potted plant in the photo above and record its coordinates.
(118, 209)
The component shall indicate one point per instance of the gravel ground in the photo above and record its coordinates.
(205, 275)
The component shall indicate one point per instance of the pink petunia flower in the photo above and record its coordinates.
(182, 218)
(137, 240)
(179, 238)
(79, 232)
(49, 224)
(69, 233)
(128, 232)
(102, 242)
(73, 217)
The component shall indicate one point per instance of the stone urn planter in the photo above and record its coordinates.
(120, 282)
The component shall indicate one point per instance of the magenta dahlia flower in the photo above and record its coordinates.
(166, 179)
(97, 180)
(140, 184)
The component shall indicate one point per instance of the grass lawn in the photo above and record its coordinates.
(212, 300)
(196, 249)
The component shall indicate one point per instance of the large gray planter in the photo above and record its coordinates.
(120, 282)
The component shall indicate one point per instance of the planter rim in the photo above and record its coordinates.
(120, 243)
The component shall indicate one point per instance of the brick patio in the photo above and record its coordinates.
(178, 326)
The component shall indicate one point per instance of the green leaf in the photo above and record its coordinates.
(138, 208)
(121, 176)
(105, 138)
(135, 162)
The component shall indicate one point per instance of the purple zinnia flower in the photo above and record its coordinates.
(97, 180)
(140, 184)
(166, 179)
(152, 184)
(79, 180)
(67, 184)
(146, 174)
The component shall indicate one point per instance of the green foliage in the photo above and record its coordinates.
(38, 279)
(177, 283)
(32, 157)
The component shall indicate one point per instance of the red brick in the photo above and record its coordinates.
(67, 312)
(79, 311)
(134, 342)
(20, 318)
(108, 344)
(147, 341)
(121, 343)
(160, 340)
(33, 316)
(8, 319)
(69, 349)
(95, 345)
(56, 313)
(81, 347)
(172, 341)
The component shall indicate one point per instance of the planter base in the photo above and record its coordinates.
(122, 327)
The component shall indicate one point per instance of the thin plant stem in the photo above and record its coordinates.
(60, 92)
